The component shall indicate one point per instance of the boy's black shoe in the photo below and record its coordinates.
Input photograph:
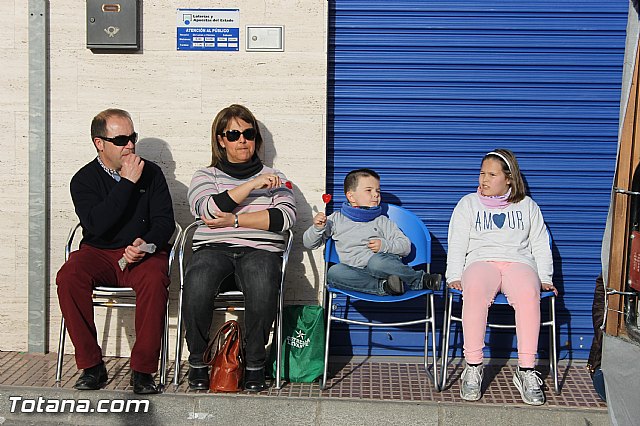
(431, 281)
(393, 285)
(92, 378)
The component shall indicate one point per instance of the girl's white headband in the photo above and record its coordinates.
(503, 157)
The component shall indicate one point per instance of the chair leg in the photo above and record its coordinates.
(445, 337)
(329, 300)
(432, 322)
(553, 345)
(179, 336)
(429, 327)
(425, 360)
(278, 333)
(164, 348)
(61, 339)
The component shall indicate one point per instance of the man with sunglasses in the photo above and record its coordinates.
(125, 209)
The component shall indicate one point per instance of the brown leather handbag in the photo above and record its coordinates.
(225, 355)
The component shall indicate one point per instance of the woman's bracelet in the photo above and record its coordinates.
(235, 221)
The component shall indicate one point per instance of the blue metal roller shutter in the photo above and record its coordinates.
(420, 90)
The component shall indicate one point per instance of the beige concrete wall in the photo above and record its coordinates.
(14, 98)
(173, 97)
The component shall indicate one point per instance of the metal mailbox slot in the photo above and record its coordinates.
(112, 25)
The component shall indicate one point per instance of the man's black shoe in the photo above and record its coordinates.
(143, 383)
(393, 285)
(254, 380)
(92, 378)
(431, 281)
(198, 378)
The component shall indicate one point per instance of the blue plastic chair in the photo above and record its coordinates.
(420, 255)
(501, 299)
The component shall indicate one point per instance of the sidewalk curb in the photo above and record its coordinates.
(237, 409)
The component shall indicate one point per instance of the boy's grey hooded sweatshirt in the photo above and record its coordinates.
(352, 237)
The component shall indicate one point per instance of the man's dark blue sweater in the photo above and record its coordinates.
(113, 214)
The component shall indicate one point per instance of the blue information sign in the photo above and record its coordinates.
(208, 29)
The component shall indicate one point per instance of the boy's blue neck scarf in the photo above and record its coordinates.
(358, 214)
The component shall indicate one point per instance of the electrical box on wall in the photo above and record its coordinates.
(112, 25)
(265, 38)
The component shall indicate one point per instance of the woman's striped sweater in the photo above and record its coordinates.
(209, 181)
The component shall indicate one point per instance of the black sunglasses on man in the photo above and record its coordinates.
(121, 140)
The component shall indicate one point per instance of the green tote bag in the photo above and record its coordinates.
(303, 334)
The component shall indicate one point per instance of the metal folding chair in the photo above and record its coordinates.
(119, 297)
(420, 255)
(500, 299)
(230, 301)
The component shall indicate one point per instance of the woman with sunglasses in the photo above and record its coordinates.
(245, 207)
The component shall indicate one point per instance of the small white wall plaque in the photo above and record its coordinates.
(265, 38)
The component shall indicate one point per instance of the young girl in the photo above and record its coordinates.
(498, 242)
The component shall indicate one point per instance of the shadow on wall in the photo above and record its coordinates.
(298, 288)
(158, 151)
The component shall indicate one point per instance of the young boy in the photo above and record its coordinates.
(370, 245)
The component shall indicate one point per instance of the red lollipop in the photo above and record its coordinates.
(288, 185)
(326, 198)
